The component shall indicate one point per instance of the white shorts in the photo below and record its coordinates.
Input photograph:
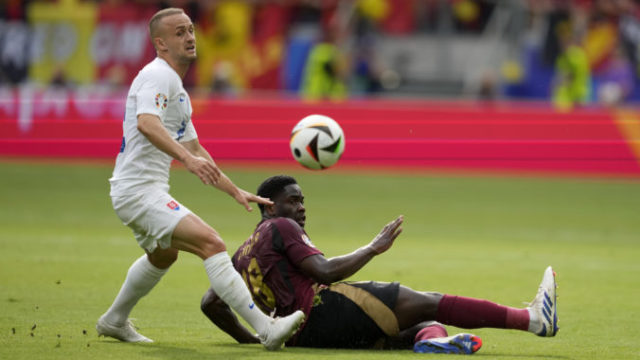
(152, 215)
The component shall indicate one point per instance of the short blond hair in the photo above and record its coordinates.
(155, 19)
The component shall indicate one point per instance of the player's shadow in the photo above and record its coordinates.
(239, 351)
(217, 351)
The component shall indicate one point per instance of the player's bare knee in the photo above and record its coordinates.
(432, 298)
(208, 299)
(163, 259)
(211, 304)
(212, 244)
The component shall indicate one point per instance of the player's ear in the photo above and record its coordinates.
(270, 210)
(159, 44)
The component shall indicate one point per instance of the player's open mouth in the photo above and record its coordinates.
(301, 220)
(191, 48)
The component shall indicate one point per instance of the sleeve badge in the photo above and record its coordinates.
(161, 101)
(307, 241)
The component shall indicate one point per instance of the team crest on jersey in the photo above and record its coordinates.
(161, 101)
(307, 241)
(173, 205)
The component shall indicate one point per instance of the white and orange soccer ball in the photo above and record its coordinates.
(317, 142)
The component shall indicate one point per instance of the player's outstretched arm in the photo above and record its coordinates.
(224, 183)
(220, 314)
(151, 127)
(327, 271)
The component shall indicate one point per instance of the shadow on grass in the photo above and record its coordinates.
(216, 351)
(234, 351)
(239, 351)
(522, 356)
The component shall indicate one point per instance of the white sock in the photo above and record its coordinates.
(534, 321)
(228, 284)
(141, 278)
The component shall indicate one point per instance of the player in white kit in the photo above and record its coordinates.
(157, 129)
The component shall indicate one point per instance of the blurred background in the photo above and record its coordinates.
(570, 52)
(566, 71)
(432, 96)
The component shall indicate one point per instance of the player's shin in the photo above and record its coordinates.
(141, 278)
(228, 284)
(469, 313)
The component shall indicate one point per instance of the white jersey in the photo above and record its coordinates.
(156, 90)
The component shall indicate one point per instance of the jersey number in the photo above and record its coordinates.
(254, 279)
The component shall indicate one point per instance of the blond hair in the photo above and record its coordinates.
(155, 19)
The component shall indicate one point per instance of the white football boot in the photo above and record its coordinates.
(281, 329)
(125, 332)
(543, 310)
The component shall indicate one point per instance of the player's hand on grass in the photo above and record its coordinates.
(383, 241)
(208, 172)
(244, 198)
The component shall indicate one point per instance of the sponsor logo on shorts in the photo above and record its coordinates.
(173, 205)
(252, 305)
(161, 101)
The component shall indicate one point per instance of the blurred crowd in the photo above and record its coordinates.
(571, 52)
(580, 52)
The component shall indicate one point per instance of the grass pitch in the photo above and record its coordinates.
(65, 254)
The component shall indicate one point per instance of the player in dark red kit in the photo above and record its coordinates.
(285, 272)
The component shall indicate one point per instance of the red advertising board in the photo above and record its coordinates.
(432, 135)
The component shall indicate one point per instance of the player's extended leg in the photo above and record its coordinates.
(142, 276)
(414, 307)
(540, 317)
(192, 234)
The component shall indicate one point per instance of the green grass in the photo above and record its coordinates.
(65, 254)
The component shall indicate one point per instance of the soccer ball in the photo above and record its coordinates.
(317, 142)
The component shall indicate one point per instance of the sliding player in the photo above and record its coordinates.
(285, 273)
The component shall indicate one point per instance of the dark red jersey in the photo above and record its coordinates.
(268, 262)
